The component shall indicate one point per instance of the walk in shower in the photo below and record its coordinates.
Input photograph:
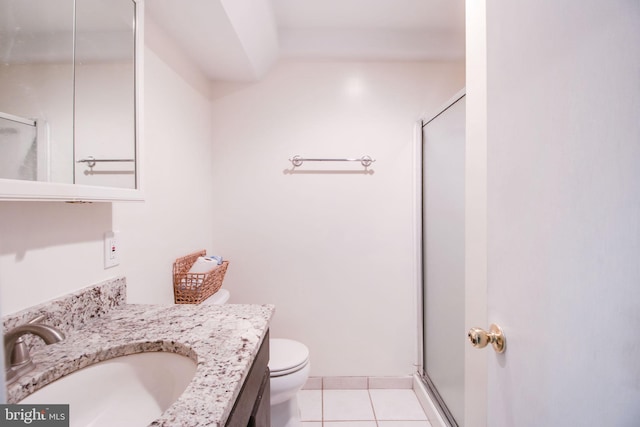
(443, 310)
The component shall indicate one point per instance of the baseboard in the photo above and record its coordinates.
(425, 400)
(358, 383)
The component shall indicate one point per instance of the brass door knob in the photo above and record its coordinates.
(479, 338)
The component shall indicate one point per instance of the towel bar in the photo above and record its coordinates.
(299, 160)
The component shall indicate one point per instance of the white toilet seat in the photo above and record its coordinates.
(286, 356)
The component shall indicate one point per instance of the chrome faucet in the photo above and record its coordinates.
(17, 360)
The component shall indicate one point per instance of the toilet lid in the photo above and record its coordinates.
(286, 356)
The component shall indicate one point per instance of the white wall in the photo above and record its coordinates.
(49, 249)
(333, 251)
(177, 181)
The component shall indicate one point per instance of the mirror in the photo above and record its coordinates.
(67, 92)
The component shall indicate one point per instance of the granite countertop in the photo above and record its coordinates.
(222, 339)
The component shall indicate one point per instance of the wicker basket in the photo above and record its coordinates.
(193, 288)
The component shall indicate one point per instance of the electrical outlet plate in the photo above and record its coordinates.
(111, 249)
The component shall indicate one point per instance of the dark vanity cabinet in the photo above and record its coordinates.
(252, 408)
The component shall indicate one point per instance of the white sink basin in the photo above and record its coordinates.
(125, 391)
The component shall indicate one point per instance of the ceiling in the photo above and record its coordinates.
(239, 40)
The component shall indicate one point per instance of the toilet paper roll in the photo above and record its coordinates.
(203, 265)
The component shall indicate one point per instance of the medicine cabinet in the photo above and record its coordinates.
(70, 99)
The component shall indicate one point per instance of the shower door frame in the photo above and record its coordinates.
(437, 399)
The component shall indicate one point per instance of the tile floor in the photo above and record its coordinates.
(361, 408)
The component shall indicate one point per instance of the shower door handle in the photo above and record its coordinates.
(479, 338)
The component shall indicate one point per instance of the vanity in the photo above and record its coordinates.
(228, 343)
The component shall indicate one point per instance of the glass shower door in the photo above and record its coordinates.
(18, 148)
(443, 162)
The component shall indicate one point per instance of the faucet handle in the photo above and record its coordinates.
(20, 354)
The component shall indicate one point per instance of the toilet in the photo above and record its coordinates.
(289, 368)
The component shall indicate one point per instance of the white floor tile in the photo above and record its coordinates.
(347, 405)
(396, 405)
(350, 424)
(404, 424)
(312, 424)
(310, 403)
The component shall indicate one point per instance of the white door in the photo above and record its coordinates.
(562, 132)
